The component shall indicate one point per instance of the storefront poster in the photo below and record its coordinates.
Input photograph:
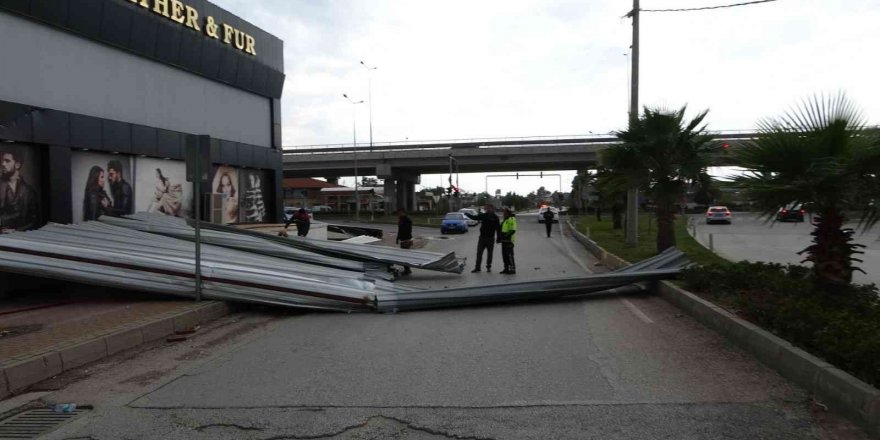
(225, 182)
(253, 190)
(20, 192)
(101, 185)
(161, 187)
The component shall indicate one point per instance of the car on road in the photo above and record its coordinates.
(544, 209)
(790, 213)
(473, 212)
(718, 214)
(321, 208)
(454, 222)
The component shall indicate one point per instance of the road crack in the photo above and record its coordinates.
(228, 425)
(403, 425)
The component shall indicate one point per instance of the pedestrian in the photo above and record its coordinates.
(302, 221)
(404, 234)
(507, 239)
(490, 231)
(548, 220)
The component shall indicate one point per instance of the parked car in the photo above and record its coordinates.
(790, 213)
(454, 222)
(544, 209)
(321, 208)
(718, 214)
(470, 211)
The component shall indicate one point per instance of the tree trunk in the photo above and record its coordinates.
(665, 226)
(831, 252)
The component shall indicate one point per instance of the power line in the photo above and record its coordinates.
(707, 7)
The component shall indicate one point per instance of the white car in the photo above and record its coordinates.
(544, 209)
(718, 214)
(470, 221)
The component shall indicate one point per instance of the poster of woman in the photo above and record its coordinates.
(161, 187)
(225, 182)
(253, 194)
(100, 185)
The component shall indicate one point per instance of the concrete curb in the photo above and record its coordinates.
(17, 376)
(852, 398)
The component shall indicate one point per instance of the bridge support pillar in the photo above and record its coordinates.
(390, 196)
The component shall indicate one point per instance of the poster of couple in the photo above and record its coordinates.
(101, 185)
(117, 185)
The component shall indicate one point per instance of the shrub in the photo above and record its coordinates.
(843, 327)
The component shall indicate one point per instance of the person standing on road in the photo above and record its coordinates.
(404, 234)
(507, 239)
(490, 230)
(548, 220)
(302, 221)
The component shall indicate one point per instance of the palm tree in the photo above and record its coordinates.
(662, 153)
(821, 155)
(612, 194)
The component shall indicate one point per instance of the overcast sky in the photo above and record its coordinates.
(477, 69)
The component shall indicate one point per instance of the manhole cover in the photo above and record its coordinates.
(34, 423)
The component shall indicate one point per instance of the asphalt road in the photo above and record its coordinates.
(754, 239)
(604, 368)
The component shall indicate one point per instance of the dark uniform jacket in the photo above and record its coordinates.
(404, 229)
(490, 225)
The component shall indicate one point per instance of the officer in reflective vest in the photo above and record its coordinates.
(508, 230)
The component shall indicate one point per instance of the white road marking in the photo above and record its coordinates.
(635, 310)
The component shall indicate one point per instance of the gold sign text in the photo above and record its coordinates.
(186, 15)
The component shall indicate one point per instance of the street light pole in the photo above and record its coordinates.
(370, 97)
(357, 198)
(632, 195)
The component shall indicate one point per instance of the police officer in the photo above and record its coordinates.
(548, 220)
(507, 239)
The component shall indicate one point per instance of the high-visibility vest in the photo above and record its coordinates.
(507, 226)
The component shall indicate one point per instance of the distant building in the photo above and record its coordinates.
(342, 198)
(304, 192)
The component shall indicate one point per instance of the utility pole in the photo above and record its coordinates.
(632, 195)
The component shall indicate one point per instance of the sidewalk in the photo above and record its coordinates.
(41, 335)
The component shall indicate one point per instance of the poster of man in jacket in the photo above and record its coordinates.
(19, 189)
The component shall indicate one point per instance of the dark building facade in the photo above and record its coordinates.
(97, 98)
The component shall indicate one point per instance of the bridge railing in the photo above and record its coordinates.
(602, 138)
(550, 141)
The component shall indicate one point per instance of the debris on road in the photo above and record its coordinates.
(153, 253)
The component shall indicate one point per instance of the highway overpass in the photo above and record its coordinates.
(401, 164)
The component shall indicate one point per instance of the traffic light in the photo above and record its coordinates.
(726, 147)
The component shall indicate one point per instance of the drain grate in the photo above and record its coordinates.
(33, 423)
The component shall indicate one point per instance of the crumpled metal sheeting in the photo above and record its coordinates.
(663, 266)
(671, 257)
(102, 254)
(529, 290)
(383, 254)
(155, 224)
(118, 241)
